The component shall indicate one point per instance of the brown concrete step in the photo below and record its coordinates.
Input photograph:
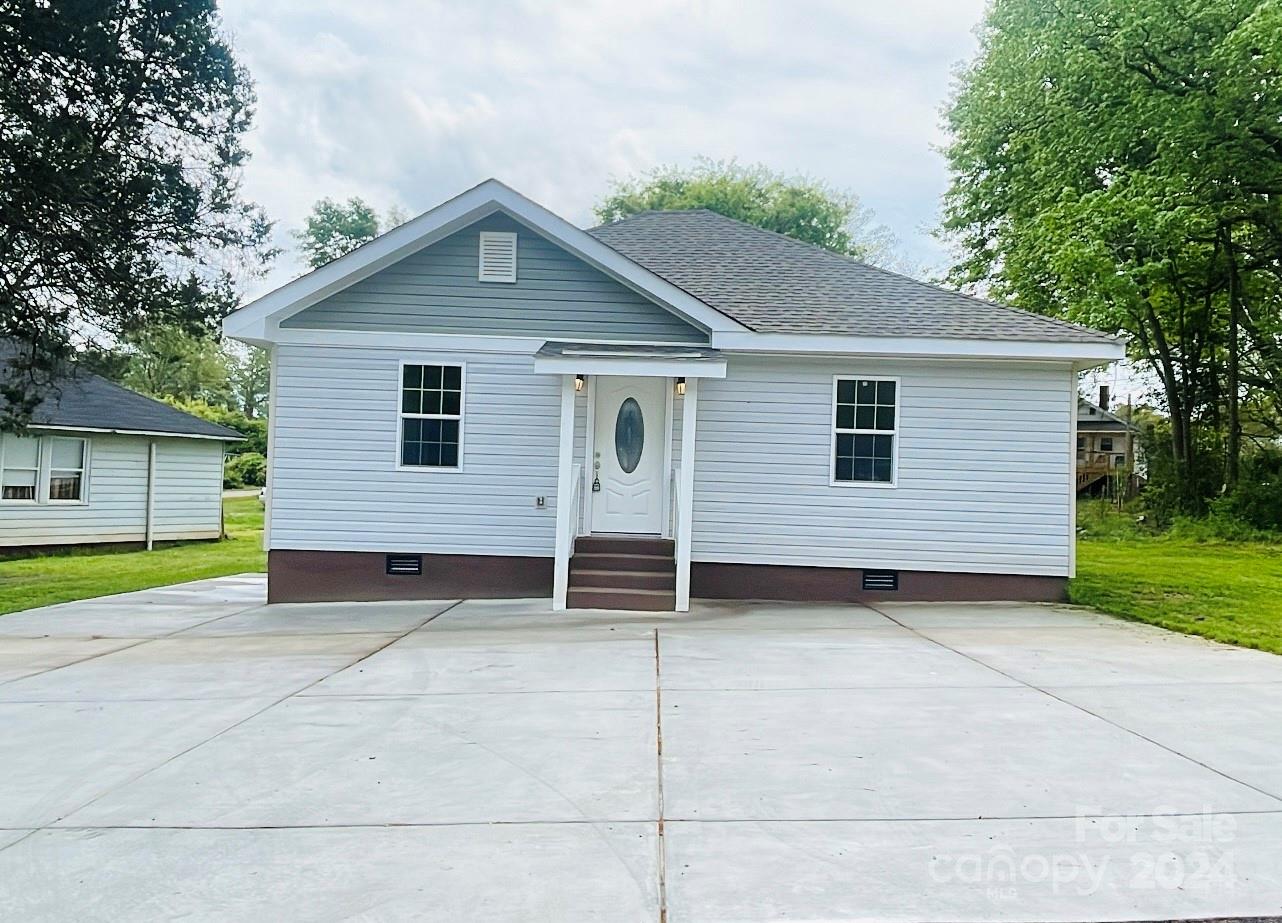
(594, 560)
(606, 598)
(624, 544)
(624, 579)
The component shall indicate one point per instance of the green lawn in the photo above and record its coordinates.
(83, 573)
(1227, 591)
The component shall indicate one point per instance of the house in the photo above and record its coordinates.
(1106, 448)
(102, 464)
(488, 401)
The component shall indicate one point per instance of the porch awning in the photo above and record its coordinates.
(619, 359)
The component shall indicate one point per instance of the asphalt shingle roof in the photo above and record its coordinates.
(90, 401)
(774, 284)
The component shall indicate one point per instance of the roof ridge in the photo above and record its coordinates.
(845, 257)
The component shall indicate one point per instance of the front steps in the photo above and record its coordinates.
(623, 572)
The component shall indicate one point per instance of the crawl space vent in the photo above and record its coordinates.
(498, 256)
(407, 565)
(881, 580)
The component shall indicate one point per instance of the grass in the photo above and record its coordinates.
(81, 573)
(1228, 591)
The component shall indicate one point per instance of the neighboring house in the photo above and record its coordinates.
(489, 401)
(1106, 448)
(100, 463)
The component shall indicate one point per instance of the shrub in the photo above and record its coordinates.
(1257, 498)
(248, 469)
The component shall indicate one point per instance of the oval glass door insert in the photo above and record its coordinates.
(629, 435)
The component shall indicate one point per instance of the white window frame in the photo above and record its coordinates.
(44, 472)
(401, 416)
(40, 456)
(46, 481)
(505, 236)
(894, 434)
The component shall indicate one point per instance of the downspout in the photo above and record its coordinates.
(151, 492)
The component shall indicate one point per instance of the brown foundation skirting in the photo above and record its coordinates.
(361, 576)
(841, 584)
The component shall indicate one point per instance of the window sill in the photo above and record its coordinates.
(881, 485)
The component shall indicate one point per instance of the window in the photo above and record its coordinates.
(19, 468)
(66, 470)
(1106, 443)
(864, 418)
(1081, 443)
(497, 256)
(1119, 461)
(431, 415)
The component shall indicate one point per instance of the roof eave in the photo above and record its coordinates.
(1082, 353)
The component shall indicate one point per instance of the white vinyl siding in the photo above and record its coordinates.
(335, 481)
(188, 496)
(982, 480)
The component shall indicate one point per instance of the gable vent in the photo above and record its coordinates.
(885, 580)
(498, 256)
(405, 564)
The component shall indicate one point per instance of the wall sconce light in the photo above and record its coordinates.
(681, 387)
(578, 382)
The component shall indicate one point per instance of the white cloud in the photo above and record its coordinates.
(409, 103)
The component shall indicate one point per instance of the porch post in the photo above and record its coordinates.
(685, 493)
(564, 489)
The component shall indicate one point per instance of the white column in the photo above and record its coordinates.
(685, 493)
(564, 487)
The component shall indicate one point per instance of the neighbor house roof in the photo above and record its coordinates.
(88, 402)
(775, 284)
(1092, 416)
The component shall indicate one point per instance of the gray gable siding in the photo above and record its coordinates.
(436, 290)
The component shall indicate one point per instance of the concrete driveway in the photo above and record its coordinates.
(188, 752)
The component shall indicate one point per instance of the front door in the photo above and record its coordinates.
(628, 454)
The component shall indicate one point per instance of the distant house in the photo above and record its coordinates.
(100, 463)
(1106, 447)
(490, 401)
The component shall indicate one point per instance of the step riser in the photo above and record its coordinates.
(624, 580)
(587, 599)
(611, 545)
(648, 563)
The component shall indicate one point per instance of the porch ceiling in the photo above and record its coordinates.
(623, 359)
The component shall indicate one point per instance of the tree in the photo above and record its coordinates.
(250, 378)
(337, 228)
(167, 362)
(796, 206)
(1119, 163)
(120, 206)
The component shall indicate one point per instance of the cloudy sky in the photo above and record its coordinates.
(407, 103)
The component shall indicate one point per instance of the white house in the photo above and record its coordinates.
(103, 464)
(489, 401)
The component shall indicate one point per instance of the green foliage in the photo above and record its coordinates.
(1119, 163)
(1256, 500)
(254, 430)
(120, 165)
(168, 362)
(335, 228)
(797, 206)
(248, 469)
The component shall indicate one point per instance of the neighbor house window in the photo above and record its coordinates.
(865, 422)
(431, 415)
(1119, 460)
(66, 469)
(19, 467)
(1106, 443)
